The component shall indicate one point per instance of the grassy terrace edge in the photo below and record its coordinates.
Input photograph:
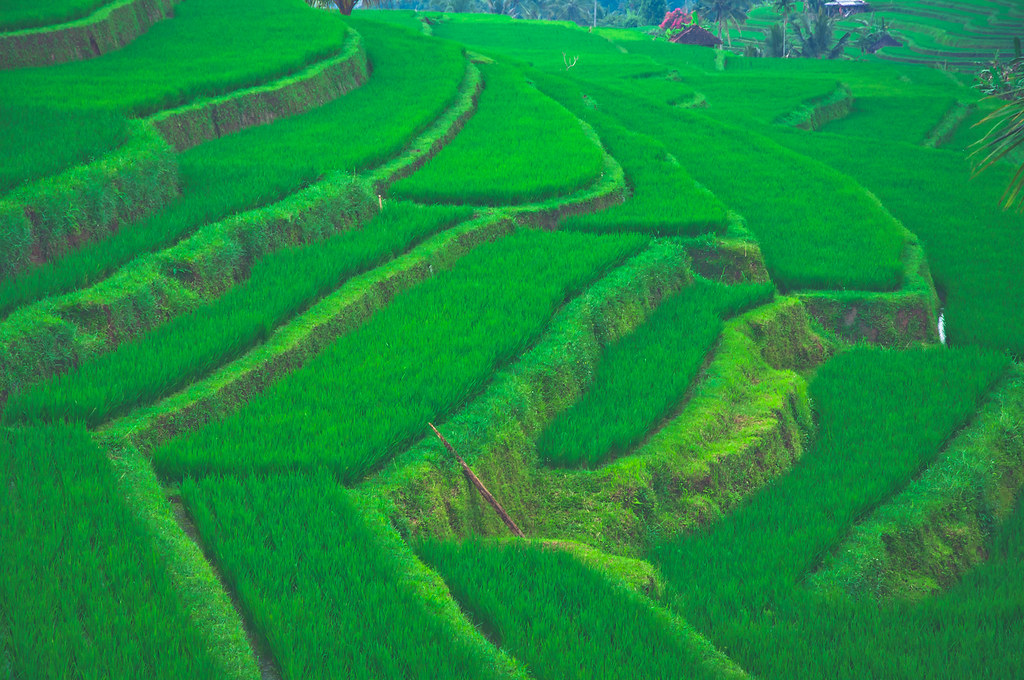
(121, 187)
(109, 28)
(939, 527)
(46, 337)
(302, 337)
(186, 126)
(900, 318)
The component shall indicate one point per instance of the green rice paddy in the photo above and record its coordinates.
(677, 308)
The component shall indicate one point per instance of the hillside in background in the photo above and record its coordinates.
(733, 340)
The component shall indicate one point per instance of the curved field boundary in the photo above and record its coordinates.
(900, 318)
(947, 127)
(109, 28)
(608, 508)
(494, 432)
(206, 600)
(743, 422)
(294, 343)
(609, 189)
(46, 218)
(816, 113)
(206, 119)
(48, 337)
(433, 139)
(935, 530)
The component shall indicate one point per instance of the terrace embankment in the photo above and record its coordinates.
(109, 28)
(48, 337)
(951, 120)
(294, 343)
(192, 124)
(44, 219)
(816, 113)
(938, 528)
(745, 422)
(901, 318)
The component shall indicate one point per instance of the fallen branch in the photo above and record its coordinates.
(480, 486)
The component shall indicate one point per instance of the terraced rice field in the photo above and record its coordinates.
(676, 309)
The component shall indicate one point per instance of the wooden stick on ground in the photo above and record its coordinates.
(480, 486)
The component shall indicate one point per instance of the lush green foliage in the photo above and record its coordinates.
(83, 592)
(413, 362)
(823, 234)
(71, 137)
(972, 245)
(518, 147)
(882, 416)
(190, 346)
(206, 49)
(563, 619)
(413, 78)
(645, 374)
(18, 15)
(665, 200)
(339, 598)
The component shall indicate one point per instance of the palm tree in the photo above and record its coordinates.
(784, 6)
(1006, 134)
(723, 12)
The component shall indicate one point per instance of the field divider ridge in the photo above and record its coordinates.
(291, 345)
(933, 531)
(53, 334)
(109, 28)
(948, 125)
(435, 137)
(209, 605)
(742, 422)
(495, 431)
(45, 218)
(818, 112)
(901, 318)
(48, 337)
(317, 84)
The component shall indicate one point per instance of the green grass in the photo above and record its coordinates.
(882, 416)
(665, 199)
(892, 119)
(72, 137)
(330, 586)
(84, 594)
(415, 361)
(208, 48)
(972, 245)
(17, 15)
(644, 375)
(518, 147)
(413, 78)
(188, 347)
(564, 620)
(826, 233)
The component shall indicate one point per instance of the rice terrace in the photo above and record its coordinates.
(511, 339)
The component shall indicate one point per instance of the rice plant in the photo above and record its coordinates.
(19, 15)
(418, 360)
(564, 620)
(518, 147)
(645, 374)
(188, 347)
(84, 593)
(882, 416)
(413, 79)
(329, 584)
(205, 50)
